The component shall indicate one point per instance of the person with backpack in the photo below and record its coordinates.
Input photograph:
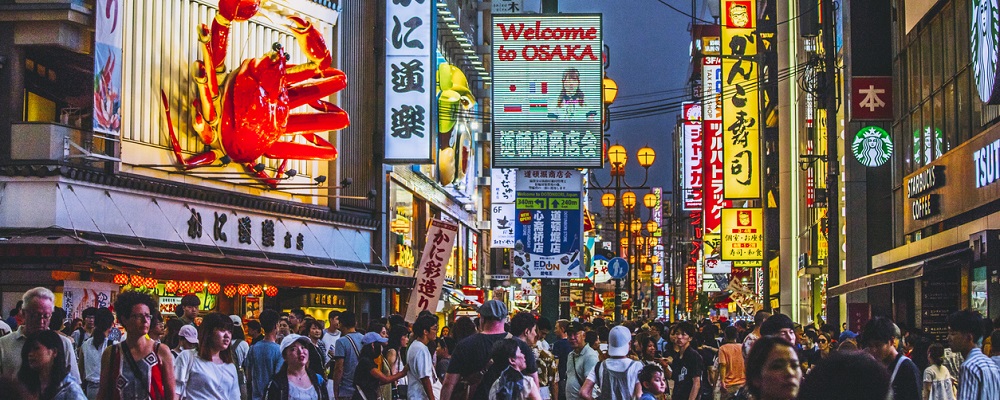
(879, 338)
(136, 368)
(346, 353)
(618, 375)
(512, 384)
(469, 373)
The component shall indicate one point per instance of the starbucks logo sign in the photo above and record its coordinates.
(872, 146)
(984, 39)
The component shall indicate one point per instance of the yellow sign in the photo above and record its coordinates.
(742, 234)
(740, 101)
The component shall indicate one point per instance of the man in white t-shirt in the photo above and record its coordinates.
(422, 381)
(617, 365)
(332, 332)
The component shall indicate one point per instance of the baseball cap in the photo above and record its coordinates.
(292, 339)
(573, 327)
(237, 321)
(189, 333)
(372, 337)
(618, 341)
(493, 309)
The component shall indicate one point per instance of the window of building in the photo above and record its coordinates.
(58, 87)
(978, 291)
(401, 227)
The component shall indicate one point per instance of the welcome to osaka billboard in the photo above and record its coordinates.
(547, 98)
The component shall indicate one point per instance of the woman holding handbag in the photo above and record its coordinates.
(138, 367)
(208, 372)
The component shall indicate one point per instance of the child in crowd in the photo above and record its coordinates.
(652, 381)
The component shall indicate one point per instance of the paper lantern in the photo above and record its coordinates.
(213, 288)
(271, 291)
(149, 282)
(170, 286)
(230, 290)
(121, 279)
(244, 289)
(137, 281)
(256, 290)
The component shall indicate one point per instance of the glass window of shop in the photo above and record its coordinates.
(941, 109)
(402, 225)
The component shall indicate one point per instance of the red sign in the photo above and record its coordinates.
(713, 197)
(691, 281)
(871, 98)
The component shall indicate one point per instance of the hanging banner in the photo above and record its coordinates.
(549, 227)
(108, 67)
(80, 295)
(742, 234)
(409, 82)
(430, 274)
(547, 91)
(740, 101)
(502, 226)
(503, 183)
(693, 150)
(714, 197)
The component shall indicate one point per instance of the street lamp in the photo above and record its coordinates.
(618, 188)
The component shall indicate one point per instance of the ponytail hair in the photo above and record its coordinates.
(103, 319)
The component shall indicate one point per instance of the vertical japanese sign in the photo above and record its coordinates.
(502, 211)
(742, 234)
(409, 81)
(714, 198)
(547, 77)
(549, 227)
(694, 151)
(108, 67)
(80, 295)
(691, 282)
(740, 101)
(430, 274)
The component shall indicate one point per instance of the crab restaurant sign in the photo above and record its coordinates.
(740, 101)
(430, 274)
(409, 81)
(547, 81)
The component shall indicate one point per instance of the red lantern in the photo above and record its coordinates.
(170, 286)
(137, 281)
(271, 291)
(256, 290)
(149, 283)
(230, 290)
(213, 288)
(244, 289)
(121, 279)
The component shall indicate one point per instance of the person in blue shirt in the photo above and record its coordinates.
(345, 356)
(652, 381)
(264, 358)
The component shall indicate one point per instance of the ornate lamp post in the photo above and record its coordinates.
(617, 157)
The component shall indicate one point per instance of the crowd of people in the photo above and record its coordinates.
(130, 351)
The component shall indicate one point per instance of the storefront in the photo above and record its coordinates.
(952, 222)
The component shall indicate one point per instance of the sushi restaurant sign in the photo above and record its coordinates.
(547, 80)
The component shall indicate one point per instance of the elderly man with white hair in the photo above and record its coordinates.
(37, 311)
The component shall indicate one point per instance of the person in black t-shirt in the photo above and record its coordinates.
(367, 376)
(687, 367)
(879, 338)
(472, 355)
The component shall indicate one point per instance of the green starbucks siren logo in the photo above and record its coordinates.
(872, 146)
(984, 35)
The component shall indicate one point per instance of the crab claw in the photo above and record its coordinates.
(238, 10)
(310, 40)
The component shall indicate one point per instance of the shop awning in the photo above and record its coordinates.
(179, 270)
(903, 273)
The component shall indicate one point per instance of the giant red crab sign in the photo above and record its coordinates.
(244, 117)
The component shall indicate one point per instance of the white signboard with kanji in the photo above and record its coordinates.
(504, 216)
(503, 182)
(430, 274)
(409, 81)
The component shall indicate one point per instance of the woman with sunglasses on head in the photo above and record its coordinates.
(208, 372)
(138, 367)
(43, 372)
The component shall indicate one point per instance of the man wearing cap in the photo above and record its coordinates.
(189, 309)
(188, 336)
(618, 376)
(579, 362)
(264, 358)
(472, 354)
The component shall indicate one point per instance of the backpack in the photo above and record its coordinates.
(614, 384)
(510, 385)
